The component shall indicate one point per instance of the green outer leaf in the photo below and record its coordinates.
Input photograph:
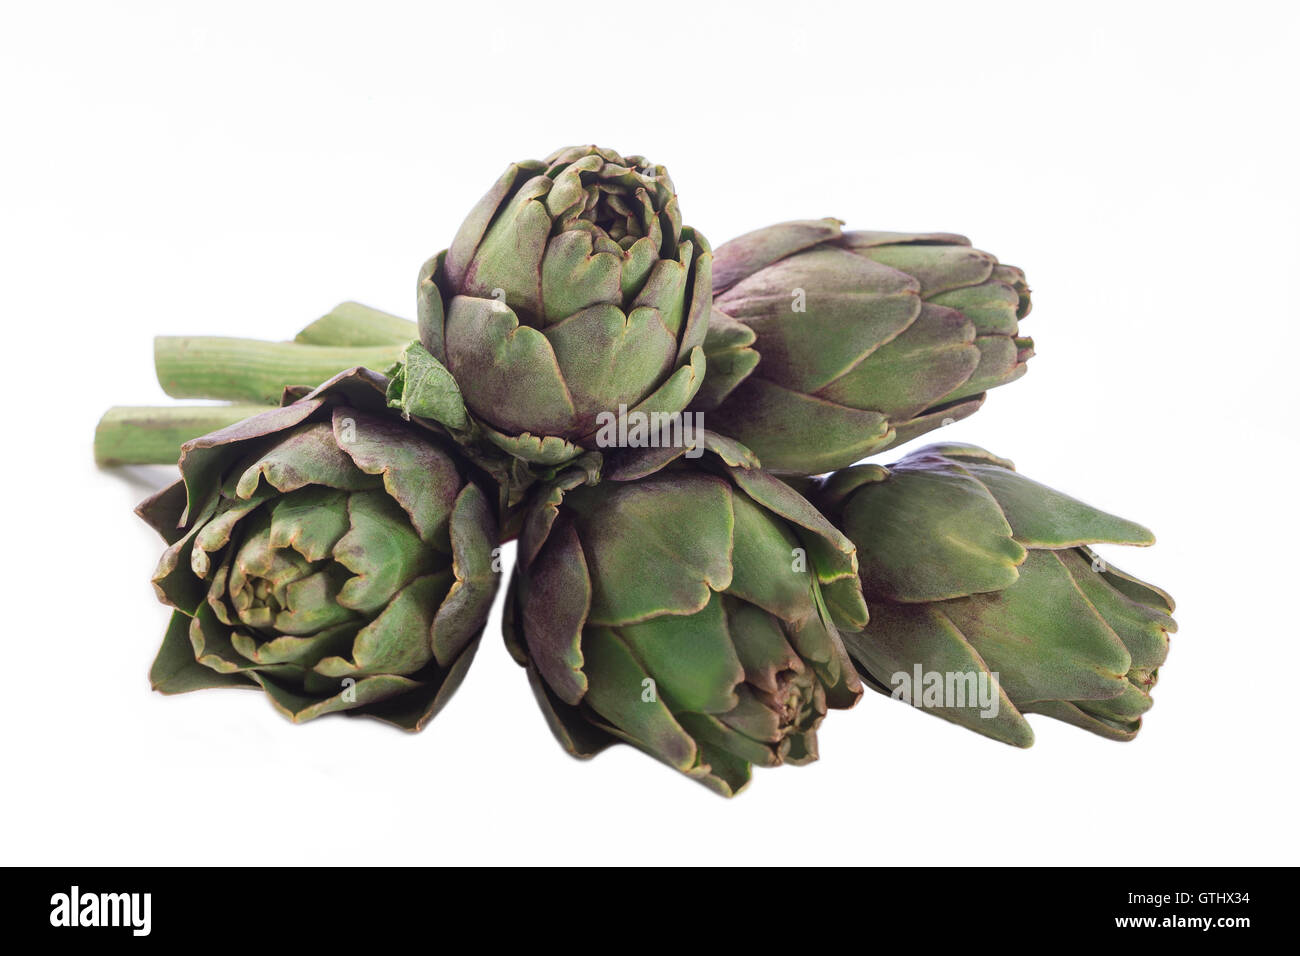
(690, 657)
(428, 390)
(304, 652)
(509, 256)
(463, 612)
(617, 693)
(832, 556)
(699, 307)
(204, 460)
(1075, 714)
(930, 532)
(310, 520)
(709, 731)
(1042, 637)
(1139, 591)
(938, 268)
(306, 455)
(413, 711)
(730, 359)
(173, 579)
(932, 418)
(422, 477)
(764, 568)
(382, 551)
(745, 255)
(463, 247)
(576, 734)
(931, 358)
(1143, 629)
(901, 637)
(760, 644)
(676, 392)
(163, 509)
(798, 434)
(608, 358)
(992, 306)
(576, 276)
(175, 670)
(397, 641)
(1044, 518)
(555, 601)
(363, 693)
(507, 372)
(853, 308)
(658, 546)
(430, 313)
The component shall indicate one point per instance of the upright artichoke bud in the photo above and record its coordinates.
(572, 289)
(867, 339)
(690, 612)
(971, 570)
(328, 552)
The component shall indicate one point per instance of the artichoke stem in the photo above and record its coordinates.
(352, 324)
(153, 435)
(250, 370)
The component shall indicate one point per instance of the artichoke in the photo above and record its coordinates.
(982, 582)
(328, 552)
(572, 289)
(867, 340)
(691, 612)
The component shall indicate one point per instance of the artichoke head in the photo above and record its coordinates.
(329, 553)
(693, 613)
(864, 340)
(572, 289)
(972, 571)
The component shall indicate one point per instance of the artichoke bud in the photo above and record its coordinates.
(572, 289)
(867, 339)
(979, 578)
(693, 612)
(328, 552)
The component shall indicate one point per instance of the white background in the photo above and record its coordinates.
(238, 169)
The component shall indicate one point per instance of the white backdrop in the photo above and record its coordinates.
(174, 168)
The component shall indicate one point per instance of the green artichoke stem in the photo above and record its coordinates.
(352, 324)
(145, 435)
(250, 370)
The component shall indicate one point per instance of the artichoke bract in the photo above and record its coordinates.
(987, 601)
(692, 612)
(864, 340)
(328, 552)
(572, 289)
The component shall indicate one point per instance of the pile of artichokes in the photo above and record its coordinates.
(672, 434)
